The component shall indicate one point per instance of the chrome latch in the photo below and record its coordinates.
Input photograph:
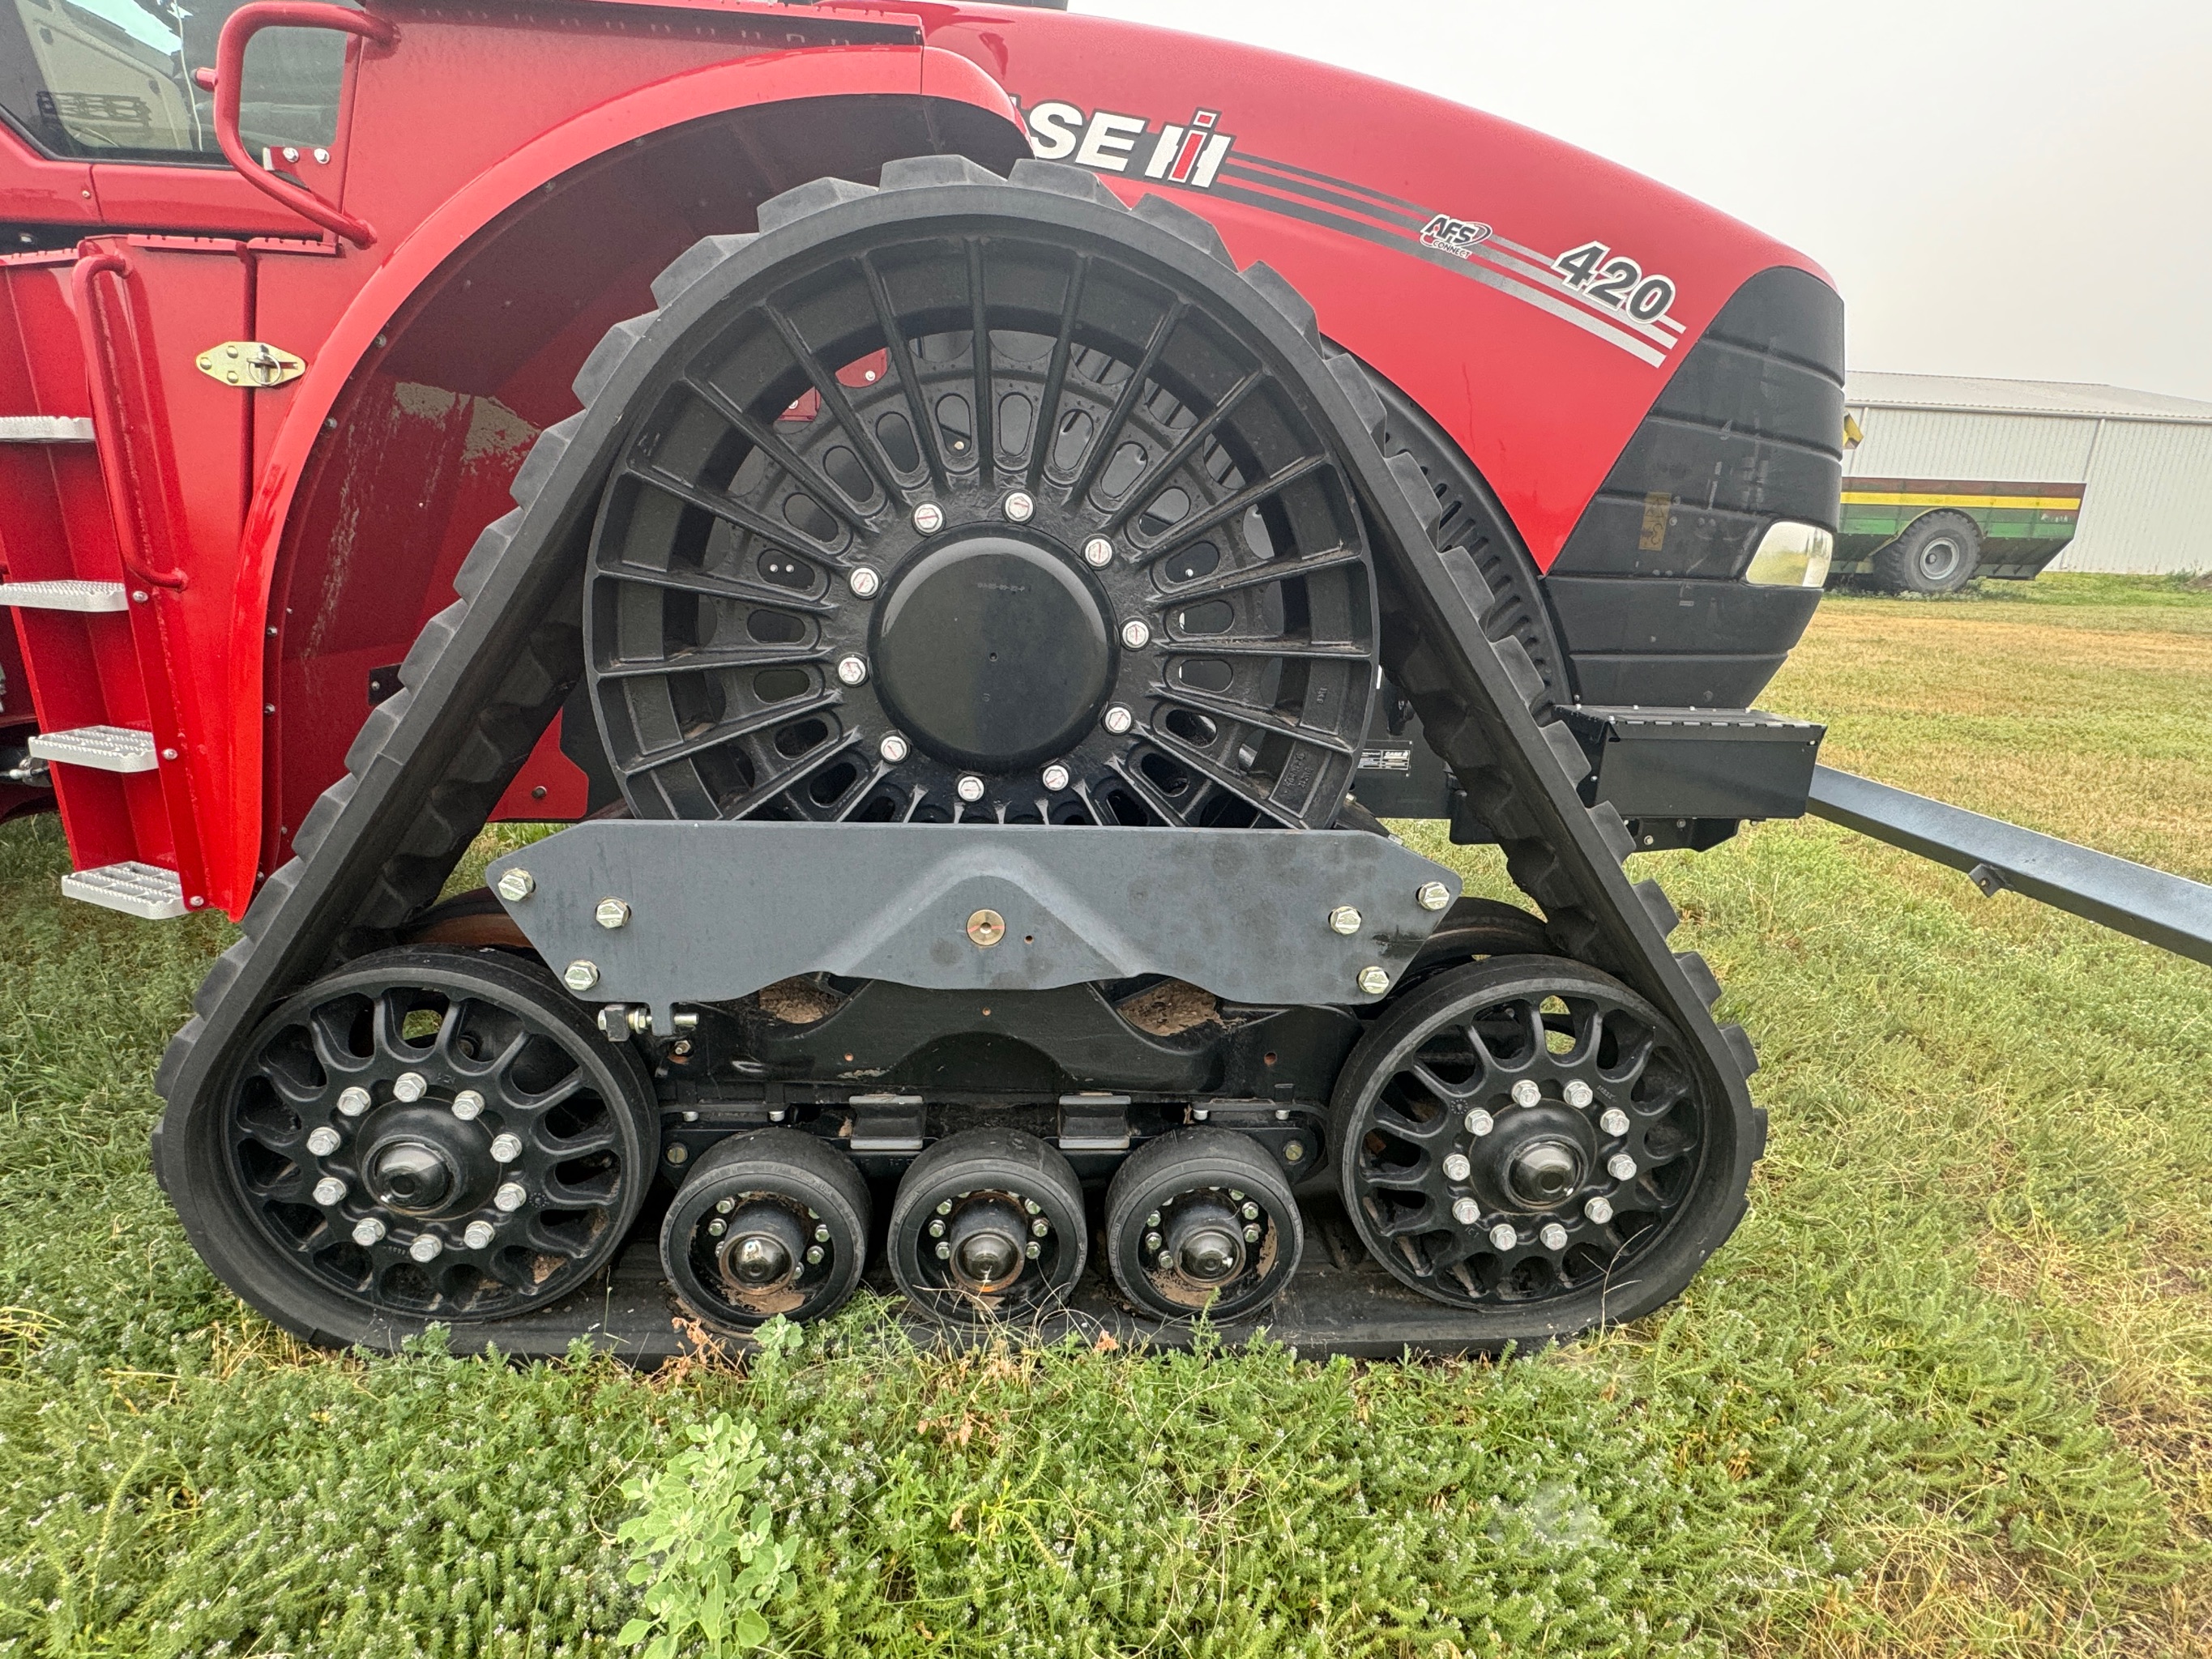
(253, 364)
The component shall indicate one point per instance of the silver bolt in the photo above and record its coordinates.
(1502, 1236)
(723, 1207)
(1577, 1094)
(353, 1102)
(1599, 1209)
(478, 1235)
(970, 788)
(1344, 920)
(822, 1235)
(929, 518)
(611, 913)
(1526, 1093)
(1432, 895)
(717, 1227)
(944, 1251)
(1614, 1120)
(506, 1148)
(936, 1229)
(893, 748)
(1098, 552)
(1019, 505)
(368, 1231)
(426, 1246)
(1554, 1235)
(1620, 1167)
(1479, 1123)
(580, 975)
(515, 885)
(330, 1190)
(1251, 1235)
(1294, 1152)
(945, 1208)
(323, 1142)
(864, 582)
(169, 754)
(677, 1154)
(1153, 1219)
(1456, 1168)
(1166, 1259)
(1151, 1241)
(1033, 1250)
(468, 1104)
(1117, 720)
(852, 671)
(1053, 777)
(1201, 1113)
(1250, 1213)
(511, 1196)
(813, 1255)
(1031, 1206)
(1040, 1227)
(322, 156)
(1466, 1212)
(1373, 980)
(408, 1086)
(1136, 635)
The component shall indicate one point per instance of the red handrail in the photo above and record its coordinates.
(138, 487)
(230, 73)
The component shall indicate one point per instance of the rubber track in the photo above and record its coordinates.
(487, 673)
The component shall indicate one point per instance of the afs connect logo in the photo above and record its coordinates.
(1125, 143)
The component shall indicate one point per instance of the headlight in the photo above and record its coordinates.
(1791, 556)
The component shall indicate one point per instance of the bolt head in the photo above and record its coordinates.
(353, 1102)
(408, 1086)
(944, 1251)
(936, 1228)
(813, 1256)
(426, 1246)
(1614, 1120)
(1620, 1167)
(1053, 777)
(852, 671)
(1117, 720)
(478, 1235)
(1502, 1236)
(1432, 895)
(1251, 1234)
(1479, 1123)
(1033, 1250)
(864, 582)
(515, 885)
(1555, 1237)
(1166, 1258)
(1040, 1227)
(368, 1231)
(894, 748)
(511, 1196)
(717, 1227)
(1250, 1213)
(1599, 1209)
(323, 1141)
(1466, 1212)
(822, 1235)
(985, 929)
(1344, 920)
(611, 913)
(1294, 1152)
(468, 1104)
(677, 1153)
(1526, 1093)
(580, 975)
(1373, 980)
(1021, 506)
(929, 518)
(970, 788)
(330, 1190)
(1577, 1093)
(506, 1148)
(1456, 1168)
(1098, 552)
(1151, 1241)
(1153, 1219)
(322, 156)
(1136, 635)
(723, 1207)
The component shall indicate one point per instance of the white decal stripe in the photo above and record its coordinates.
(1536, 266)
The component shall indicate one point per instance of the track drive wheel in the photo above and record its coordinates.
(1526, 1137)
(769, 1222)
(1938, 553)
(1201, 1221)
(988, 1225)
(426, 1134)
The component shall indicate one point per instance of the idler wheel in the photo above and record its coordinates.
(1201, 1221)
(988, 1225)
(770, 1222)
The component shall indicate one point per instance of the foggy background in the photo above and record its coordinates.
(2021, 190)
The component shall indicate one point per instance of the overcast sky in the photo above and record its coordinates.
(2021, 189)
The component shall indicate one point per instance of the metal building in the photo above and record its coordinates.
(2139, 462)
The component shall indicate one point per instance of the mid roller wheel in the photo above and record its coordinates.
(1201, 1221)
(427, 1133)
(770, 1222)
(988, 1225)
(1527, 1137)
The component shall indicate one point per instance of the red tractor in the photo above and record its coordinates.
(973, 514)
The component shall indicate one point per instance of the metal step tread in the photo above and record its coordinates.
(45, 429)
(65, 595)
(144, 891)
(108, 748)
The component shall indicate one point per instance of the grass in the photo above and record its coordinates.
(1947, 1391)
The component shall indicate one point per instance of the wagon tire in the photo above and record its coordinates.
(1938, 553)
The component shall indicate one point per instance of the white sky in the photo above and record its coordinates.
(2009, 187)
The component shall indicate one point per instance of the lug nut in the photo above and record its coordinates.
(323, 1141)
(1153, 1219)
(1466, 1212)
(1479, 1123)
(1344, 920)
(813, 1255)
(1526, 1093)
(822, 1235)
(723, 1207)
(717, 1227)
(330, 1190)
(1620, 1167)
(1599, 1209)
(611, 913)
(1502, 1236)
(1456, 1168)
(1166, 1259)
(353, 1102)
(426, 1246)
(864, 582)
(1293, 1152)
(478, 1235)
(368, 1231)
(1373, 980)
(580, 975)
(944, 1251)
(1020, 505)
(1033, 1250)
(678, 1154)
(1053, 777)
(1031, 1206)
(506, 1148)
(893, 748)
(1614, 1120)
(1251, 1235)
(970, 788)
(936, 1229)
(1117, 720)
(468, 1104)
(1098, 552)
(1250, 1213)
(929, 518)
(1151, 1241)
(852, 671)
(516, 885)
(1554, 1235)
(408, 1086)
(511, 1196)
(1040, 1227)
(1135, 634)
(1432, 895)
(1577, 1094)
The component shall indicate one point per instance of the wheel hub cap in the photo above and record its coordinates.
(1545, 1173)
(763, 1250)
(413, 1175)
(1208, 1245)
(987, 1242)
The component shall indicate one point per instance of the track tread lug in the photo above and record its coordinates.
(323, 814)
(1415, 483)
(1614, 829)
(1475, 589)
(430, 644)
(1366, 403)
(1566, 747)
(1658, 906)
(926, 172)
(492, 542)
(814, 196)
(376, 731)
(545, 455)
(694, 262)
(1275, 289)
(1181, 222)
(1063, 178)
(607, 357)
(1739, 1045)
(1699, 973)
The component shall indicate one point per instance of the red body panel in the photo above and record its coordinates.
(525, 169)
